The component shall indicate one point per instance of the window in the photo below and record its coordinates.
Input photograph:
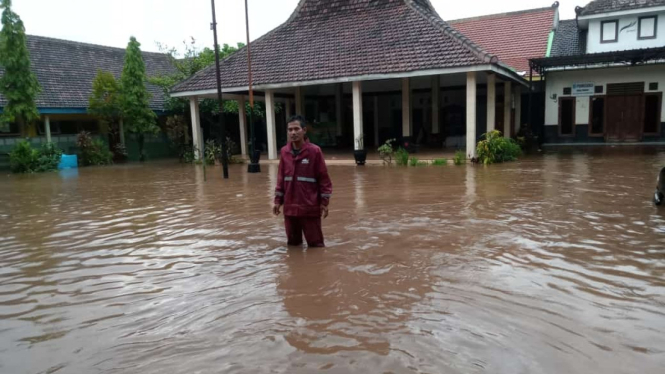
(597, 116)
(598, 89)
(41, 128)
(567, 116)
(89, 126)
(653, 86)
(652, 108)
(66, 127)
(567, 90)
(69, 127)
(647, 28)
(609, 31)
(9, 129)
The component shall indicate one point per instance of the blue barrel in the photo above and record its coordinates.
(68, 162)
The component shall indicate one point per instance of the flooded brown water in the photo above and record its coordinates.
(554, 264)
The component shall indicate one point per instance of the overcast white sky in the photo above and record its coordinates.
(112, 22)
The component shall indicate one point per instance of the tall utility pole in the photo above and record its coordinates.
(222, 136)
(254, 166)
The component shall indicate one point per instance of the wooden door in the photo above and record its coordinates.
(632, 118)
(624, 112)
(613, 117)
(624, 118)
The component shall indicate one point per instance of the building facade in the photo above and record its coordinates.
(368, 70)
(605, 78)
(65, 71)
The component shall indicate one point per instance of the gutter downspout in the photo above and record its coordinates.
(550, 41)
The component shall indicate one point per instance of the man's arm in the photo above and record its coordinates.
(279, 189)
(325, 184)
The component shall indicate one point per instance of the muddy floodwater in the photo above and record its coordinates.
(553, 264)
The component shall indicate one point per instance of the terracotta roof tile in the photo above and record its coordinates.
(514, 37)
(326, 39)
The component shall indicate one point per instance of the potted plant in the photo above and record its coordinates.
(360, 154)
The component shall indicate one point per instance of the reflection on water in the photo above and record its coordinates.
(554, 264)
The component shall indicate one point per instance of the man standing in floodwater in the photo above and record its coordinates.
(303, 186)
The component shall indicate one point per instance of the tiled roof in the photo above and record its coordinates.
(607, 6)
(325, 39)
(514, 37)
(65, 70)
(567, 40)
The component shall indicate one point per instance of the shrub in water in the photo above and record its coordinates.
(120, 152)
(495, 148)
(402, 157)
(440, 162)
(413, 161)
(212, 151)
(25, 159)
(49, 158)
(93, 151)
(386, 152)
(459, 158)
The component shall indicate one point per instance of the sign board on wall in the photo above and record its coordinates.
(583, 89)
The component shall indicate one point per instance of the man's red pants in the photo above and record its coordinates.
(310, 226)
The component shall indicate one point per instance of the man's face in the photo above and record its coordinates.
(296, 133)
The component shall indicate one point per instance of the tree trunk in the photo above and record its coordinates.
(22, 128)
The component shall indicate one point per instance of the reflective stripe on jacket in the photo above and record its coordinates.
(303, 184)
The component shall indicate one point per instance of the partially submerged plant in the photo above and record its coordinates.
(459, 158)
(386, 152)
(495, 148)
(402, 157)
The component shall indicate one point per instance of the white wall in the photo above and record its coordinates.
(628, 37)
(556, 81)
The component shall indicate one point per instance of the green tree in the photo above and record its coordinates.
(18, 84)
(193, 60)
(104, 102)
(135, 96)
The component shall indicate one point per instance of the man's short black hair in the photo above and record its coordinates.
(298, 118)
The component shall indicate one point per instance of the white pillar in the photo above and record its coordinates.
(518, 108)
(507, 106)
(300, 105)
(436, 103)
(339, 112)
(376, 121)
(121, 130)
(471, 114)
(242, 117)
(47, 128)
(406, 108)
(288, 109)
(491, 102)
(270, 122)
(197, 135)
(357, 114)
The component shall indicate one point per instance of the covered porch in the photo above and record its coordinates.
(438, 112)
(365, 71)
